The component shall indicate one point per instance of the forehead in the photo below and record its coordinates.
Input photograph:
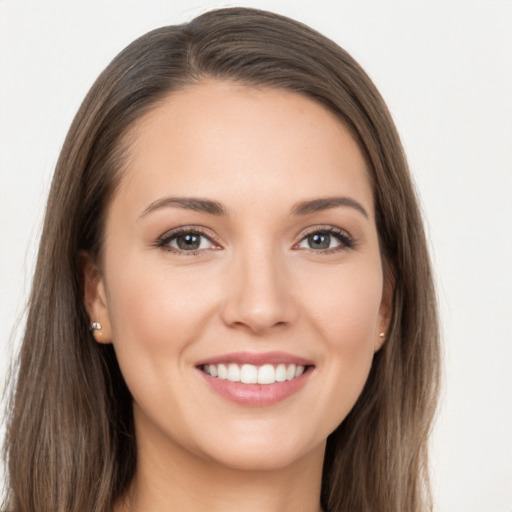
(217, 137)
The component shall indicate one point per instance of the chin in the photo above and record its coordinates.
(266, 456)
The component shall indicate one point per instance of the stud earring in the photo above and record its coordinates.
(382, 335)
(96, 330)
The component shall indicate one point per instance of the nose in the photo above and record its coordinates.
(258, 293)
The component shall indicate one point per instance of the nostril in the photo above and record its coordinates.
(257, 298)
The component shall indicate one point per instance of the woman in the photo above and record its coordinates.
(233, 305)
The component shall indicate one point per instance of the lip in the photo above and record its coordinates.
(256, 395)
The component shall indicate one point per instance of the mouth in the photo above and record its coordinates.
(265, 374)
(256, 379)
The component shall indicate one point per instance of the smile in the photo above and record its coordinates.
(256, 380)
(252, 374)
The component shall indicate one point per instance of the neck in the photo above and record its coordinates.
(174, 479)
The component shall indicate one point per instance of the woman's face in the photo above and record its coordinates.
(241, 244)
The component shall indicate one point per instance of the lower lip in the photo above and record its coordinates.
(257, 395)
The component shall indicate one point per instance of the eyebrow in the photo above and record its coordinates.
(216, 208)
(187, 203)
(317, 205)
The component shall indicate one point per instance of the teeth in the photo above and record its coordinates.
(281, 373)
(266, 374)
(250, 374)
(290, 372)
(234, 373)
(222, 371)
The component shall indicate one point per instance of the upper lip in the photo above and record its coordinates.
(256, 359)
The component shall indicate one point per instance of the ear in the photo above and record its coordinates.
(95, 299)
(385, 310)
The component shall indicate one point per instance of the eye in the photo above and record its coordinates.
(326, 240)
(186, 241)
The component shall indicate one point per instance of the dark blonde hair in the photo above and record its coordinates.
(70, 444)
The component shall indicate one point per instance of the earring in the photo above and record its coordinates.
(382, 335)
(96, 330)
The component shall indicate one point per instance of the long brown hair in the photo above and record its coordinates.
(70, 444)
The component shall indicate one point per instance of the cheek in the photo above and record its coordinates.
(157, 311)
(346, 305)
(345, 312)
(156, 314)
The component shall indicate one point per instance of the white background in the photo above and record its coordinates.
(445, 69)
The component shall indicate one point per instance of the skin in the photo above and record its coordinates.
(256, 284)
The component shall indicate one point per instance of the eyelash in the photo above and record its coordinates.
(346, 241)
(164, 241)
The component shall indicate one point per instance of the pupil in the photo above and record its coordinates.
(319, 241)
(189, 242)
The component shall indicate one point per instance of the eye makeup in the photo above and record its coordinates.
(193, 240)
(187, 241)
(322, 236)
